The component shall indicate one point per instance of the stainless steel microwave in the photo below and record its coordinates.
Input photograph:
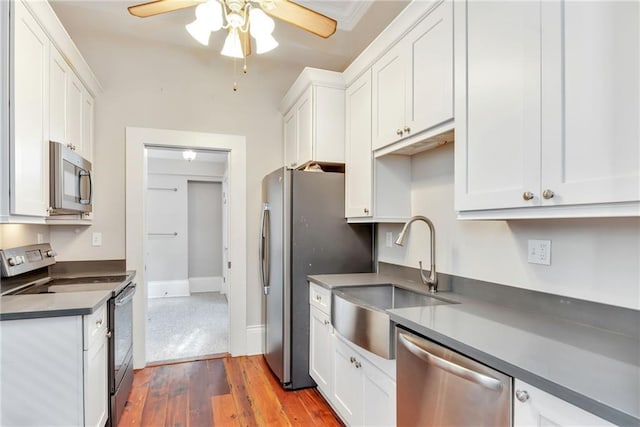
(71, 187)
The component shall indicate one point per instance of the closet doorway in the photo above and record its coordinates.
(185, 209)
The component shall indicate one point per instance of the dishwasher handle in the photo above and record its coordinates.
(413, 345)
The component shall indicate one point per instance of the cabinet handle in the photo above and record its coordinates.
(547, 194)
(399, 132)
(366, 211)
(527, 195)
(352, 359)
(326, 322)
(522, 395)
(407, 129)
(109, 334)
(318, 298)
(99, 323)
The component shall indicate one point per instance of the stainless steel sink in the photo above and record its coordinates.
(358, 314)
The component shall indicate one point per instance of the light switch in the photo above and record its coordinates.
(539, 252)
(96, 239)
(39, 238)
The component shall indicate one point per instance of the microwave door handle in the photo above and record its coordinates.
(82, 174)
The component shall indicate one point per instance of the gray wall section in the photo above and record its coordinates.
(205, 229)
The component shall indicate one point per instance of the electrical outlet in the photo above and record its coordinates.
(389, 239)
(539, 252)
(96, 239)
(39, 238)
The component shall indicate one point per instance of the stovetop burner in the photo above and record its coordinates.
(77, 284)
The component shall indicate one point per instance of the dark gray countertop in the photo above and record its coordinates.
(595, 369)
(29, 306)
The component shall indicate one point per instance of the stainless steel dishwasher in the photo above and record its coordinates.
(439, 387)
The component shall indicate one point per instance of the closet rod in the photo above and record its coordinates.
(174, 234)
(162, 188)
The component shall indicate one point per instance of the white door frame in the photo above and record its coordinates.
(136, 174)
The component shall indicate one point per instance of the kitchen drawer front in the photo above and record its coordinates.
(95, 326)
(320, 297)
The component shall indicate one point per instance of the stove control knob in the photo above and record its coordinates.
(50, 253)
(17, 260)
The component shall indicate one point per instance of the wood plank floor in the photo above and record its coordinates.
(228, 391)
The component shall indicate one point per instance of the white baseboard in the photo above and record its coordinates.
(168, 288)
(205, 284)
(255, 340)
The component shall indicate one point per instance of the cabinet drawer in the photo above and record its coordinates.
(320, 297)
(95, 326)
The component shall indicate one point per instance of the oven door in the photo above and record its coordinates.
(122, 334)
(71, 185)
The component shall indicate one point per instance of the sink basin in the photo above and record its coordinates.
(358, 314)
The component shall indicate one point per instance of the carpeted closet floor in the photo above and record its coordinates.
(187, 327)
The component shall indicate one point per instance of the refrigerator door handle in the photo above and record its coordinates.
(264, 249)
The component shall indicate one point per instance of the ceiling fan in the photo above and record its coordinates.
(237, 16)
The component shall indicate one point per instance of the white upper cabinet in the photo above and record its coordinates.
(74, 113)
(58, 80)
(29, 146)
(314, 116)
(413, 81)
(358, 174)
(49, 97)
(547, 107)
(87, 125)
(590, 102)
(69, 106)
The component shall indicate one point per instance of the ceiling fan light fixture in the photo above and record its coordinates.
(199, 32)
(265, 43)
(210, 14)
(232, 45)
(189, 155)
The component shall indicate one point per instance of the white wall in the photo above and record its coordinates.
(12, 235)
(167, 255)
(158, 85)
(593, 259)
(205, 229)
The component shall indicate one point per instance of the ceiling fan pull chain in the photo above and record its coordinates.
(235, 75)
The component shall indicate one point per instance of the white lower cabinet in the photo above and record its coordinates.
(535, 408)
(320, 344)
(363, 394)
(54, 371)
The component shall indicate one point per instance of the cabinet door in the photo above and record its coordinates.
(304, 117)
(379, 398)
(29, 152)
(358, 178)
(320, 342)
(429, 88)
(347, 383)
(540, 409)
(388, 82)
(290, 139)
(58, 77)
(87, 125)
(591, 101)
(95, 384)
(74, 113)
(497, 150)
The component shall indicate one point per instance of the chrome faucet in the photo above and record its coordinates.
(432, 280)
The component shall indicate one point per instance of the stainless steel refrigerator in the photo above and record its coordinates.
(303, 232)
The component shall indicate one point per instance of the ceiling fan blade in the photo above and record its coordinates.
(301, 17)
(157, 7)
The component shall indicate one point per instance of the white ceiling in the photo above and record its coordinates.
(176, 154)
(298, 48)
